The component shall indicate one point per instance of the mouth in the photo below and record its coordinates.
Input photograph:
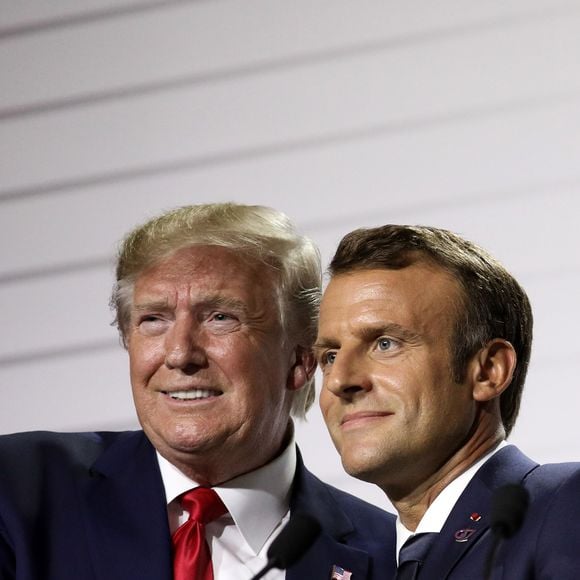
(192, 394)
(362, 417)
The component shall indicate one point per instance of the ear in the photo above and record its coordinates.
(302, 370)
(493, 369)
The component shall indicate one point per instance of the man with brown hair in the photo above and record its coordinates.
(424, 341)
(216, 305)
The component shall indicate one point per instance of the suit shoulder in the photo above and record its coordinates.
(306, 484)
(554, 495)
(551, 527)
(553, 477)
(31, 451)
(554, 490)
(358, 506)
(372, 529)
(363, 515)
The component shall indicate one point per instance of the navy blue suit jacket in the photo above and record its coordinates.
(547, 547)
(92, 506)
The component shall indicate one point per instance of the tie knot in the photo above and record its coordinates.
(203, 504)
(415, 549)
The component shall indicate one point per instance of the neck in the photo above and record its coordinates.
(211, 469)
(412, 500)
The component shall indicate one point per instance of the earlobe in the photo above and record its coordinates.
(302, 370)
(494, 369)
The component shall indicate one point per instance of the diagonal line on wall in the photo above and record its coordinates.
(267, 66)
(61, 269)
(467, 199)
(87, 17)
(274, 149)
(65, 351)
(363, 218)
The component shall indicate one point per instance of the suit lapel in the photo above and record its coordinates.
(318, 562)
(126, 513)
(468, 522)
(311, 496)
(466, 525)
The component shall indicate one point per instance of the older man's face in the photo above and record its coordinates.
(210, 369)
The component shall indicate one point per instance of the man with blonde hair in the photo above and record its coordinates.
(216, 305)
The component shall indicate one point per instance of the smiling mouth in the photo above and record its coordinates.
(192, 394)
(362, 417)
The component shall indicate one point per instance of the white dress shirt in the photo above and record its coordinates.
(438, 512)
(258, 507)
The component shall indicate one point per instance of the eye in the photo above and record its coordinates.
(384, 344)
(148, 319)
(221, 317)
(219, 322)
(327, 358)
(151, 324)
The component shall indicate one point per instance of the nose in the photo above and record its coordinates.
(347, 376)
(183, 346)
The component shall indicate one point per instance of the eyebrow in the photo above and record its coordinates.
(150, 305)
(218, 301)
(369, 333)
(213, 301)
(391, 328)
(324, 343)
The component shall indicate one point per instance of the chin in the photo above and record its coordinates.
(363, 466)
(179, 437)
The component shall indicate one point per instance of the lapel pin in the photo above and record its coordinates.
(339, 573)
(475, 517)
(463, 535)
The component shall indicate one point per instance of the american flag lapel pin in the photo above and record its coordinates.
(339, 573)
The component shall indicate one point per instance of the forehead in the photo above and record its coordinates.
(422, 297)
(210, 268)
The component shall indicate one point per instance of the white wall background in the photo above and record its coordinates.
(464, 115)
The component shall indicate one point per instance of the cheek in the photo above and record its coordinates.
(415, 380)
(231, 352)
(394, 387)
(258, 364)
(144, 360)
(325, 402)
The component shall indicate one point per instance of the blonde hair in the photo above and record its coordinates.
(256, 232)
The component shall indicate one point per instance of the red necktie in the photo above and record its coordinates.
(191, 556)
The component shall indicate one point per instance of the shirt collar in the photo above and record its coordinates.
(256, 501)
(438, 512)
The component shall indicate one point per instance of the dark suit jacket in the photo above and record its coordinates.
(546, 547)
(91, 506)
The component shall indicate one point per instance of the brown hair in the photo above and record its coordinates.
(494, 304)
